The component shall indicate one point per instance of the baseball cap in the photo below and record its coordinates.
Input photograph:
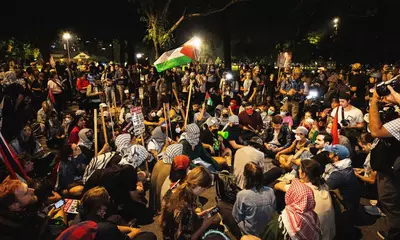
(234, 119)
(181, 162)
(301, 130)
(212, 121)
(339, 150)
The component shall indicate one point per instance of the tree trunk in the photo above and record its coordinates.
(131, 50)
(156, 49)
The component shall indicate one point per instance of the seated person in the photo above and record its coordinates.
(193, 148)
(301, 141)
(250, 121)
(179, 170)
(179, 219)
(85, 144)
(26, 143)
(94, 208)
(278, 137)
(286, 117)
(201, 115)
(339, 175)
(157, 141)
(244, 156)
(255, 204)
(310, 173)
(211, 140)
(121, 182)
(20, 216)
(233, 140)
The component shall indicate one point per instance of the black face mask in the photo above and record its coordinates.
(225, 115)
(214, 131)
(90, 138)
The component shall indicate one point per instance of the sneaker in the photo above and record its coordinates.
(375, 211)
(381, 234)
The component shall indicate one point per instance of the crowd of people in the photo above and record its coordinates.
(289, 152)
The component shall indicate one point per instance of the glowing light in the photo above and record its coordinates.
(336, 21)
(139, 56)
(229, 76)
(66, 36)
(197, 42)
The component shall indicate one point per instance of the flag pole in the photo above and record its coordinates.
(188, 103)
(96, 150)
(103, 122)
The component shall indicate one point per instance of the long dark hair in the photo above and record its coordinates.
(30, 145)
(254, 176)
(312, 169)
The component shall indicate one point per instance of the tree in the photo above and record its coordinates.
(155, 15)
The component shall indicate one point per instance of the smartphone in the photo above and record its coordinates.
(59, 203)
(213, 211)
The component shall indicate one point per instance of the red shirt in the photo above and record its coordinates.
(73, 136)
(82, 83)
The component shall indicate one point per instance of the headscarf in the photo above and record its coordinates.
(193, 134)
(158, 136)
(134, 156)
(299, 219)
(83, 139)
(123, 142)
(171, 152)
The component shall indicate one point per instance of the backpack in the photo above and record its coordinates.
(226, 187)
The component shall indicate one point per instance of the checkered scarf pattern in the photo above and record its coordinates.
(134, 156)
(86, 230)
(171, 152)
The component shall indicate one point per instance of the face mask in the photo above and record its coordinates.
(159, 113)
(283, 114)
(270, 112)
(129, 106)
(214, 130)
(153, 114)
(178, 130)
(68, 120)
(328, 130)
(298, 138)
(249, 111)
(110, 124)
(90, 137)
(225, 115)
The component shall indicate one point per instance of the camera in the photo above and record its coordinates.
(382, 89)
(345, 122)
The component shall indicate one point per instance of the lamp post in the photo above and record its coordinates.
(336, 24)
(66, 37)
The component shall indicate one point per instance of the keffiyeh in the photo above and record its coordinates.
(171, 152)
(158, 136)
(134, 156)
(193, 134)
(84, 140)
(299, 219)
(123, 142)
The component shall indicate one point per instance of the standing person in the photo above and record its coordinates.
(179, 219)
(94, 94)
(358, 83)
(211, 77)
(54, 85)
(270, 85)
(293, 88)
(108, 85)
(384, 159)
(121, 81)
(82, 84)
(249, 88)
(38, 91)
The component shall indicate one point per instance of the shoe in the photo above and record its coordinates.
(381, 234)
(375, 211)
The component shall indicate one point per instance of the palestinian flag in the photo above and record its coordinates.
(176, 57)
(335, 128)
(50, 101)
(10, 160)
(208, 99)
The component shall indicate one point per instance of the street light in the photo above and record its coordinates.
(66, 37)
(336, 24)
(336, 20)
(197, 42)
(139, 56)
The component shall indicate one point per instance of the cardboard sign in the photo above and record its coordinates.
(137, 120)
(141, 93)
(71, 206)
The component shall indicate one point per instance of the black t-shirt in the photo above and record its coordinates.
(360, 81)
(234, 134)
(117, 180)
(209, 138)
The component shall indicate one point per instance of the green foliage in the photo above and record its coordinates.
(314, 38)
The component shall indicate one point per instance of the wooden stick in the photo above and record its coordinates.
(147, 162)
(96, 149)
(166, 120)
(103, 122)
(188, 103)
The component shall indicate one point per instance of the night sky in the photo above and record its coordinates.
(368, 30)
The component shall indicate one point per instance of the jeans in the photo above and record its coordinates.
(120, 89)
(110, 94)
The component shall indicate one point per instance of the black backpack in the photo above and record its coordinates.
(226, 187)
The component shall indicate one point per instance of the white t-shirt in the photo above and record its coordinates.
(354, 116)
(247, 84)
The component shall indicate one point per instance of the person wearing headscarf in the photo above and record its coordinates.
(86, 143)
(298, 220)
(193, 148)
(157, 141)
(179, 170)
(25, 143)
(121, 181)
(160, 172)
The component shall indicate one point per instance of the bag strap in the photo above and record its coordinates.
(342, 113)
(57, 84)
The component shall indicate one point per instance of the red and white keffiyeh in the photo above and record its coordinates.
(299, 219)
